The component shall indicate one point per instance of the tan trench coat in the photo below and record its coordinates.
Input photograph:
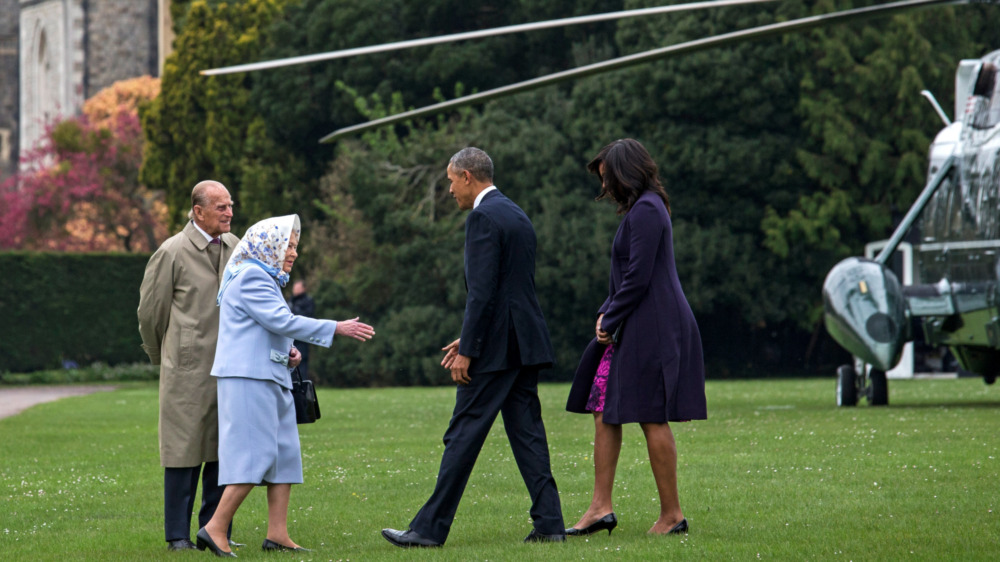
(179, 325)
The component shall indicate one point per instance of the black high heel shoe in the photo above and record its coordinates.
(679, 528)
(205, 541)
(608, 522)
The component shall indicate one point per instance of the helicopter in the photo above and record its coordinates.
(867, 311)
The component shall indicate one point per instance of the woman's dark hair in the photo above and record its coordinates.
(629, 171)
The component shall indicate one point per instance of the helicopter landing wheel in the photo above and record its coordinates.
(847, 386)
(878, 388)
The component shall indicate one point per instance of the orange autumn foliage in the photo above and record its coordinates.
(125, 96)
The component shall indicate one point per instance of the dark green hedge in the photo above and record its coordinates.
(69, 307)
(95, 372)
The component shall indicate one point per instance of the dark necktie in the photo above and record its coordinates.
(215, 253)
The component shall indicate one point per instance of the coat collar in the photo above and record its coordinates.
(196, 237)
(486, 194)
(228, 239)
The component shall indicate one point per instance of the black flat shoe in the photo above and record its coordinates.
(407, 539)
(608, 522)
(205, 541)
(270, 545)
(535, 536)
(679, 528)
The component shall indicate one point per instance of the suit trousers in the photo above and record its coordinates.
(179, 488)
(514, 393)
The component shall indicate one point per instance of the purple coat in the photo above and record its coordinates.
(657, 370)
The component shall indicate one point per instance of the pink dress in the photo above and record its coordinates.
(597, 391)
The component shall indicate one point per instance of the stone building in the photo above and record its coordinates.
(54, 54)
(8, 85)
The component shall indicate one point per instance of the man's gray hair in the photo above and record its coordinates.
(199, 195)
(476, 161)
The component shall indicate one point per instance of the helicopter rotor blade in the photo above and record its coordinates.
(279, 63)
(915, 210)
(644, 57)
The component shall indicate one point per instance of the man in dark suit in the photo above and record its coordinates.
(495, 362)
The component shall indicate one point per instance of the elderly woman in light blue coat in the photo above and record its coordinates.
(258, 438)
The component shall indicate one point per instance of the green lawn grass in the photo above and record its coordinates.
(777, 472)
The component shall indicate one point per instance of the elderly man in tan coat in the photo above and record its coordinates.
(179, 324)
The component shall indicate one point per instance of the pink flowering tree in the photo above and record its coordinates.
(78, 190)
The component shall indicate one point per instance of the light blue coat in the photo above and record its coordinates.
(256, 330)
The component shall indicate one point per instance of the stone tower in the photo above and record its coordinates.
(54, 54)
(9, 100)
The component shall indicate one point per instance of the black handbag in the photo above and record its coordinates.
(304, 394)
(615, 337)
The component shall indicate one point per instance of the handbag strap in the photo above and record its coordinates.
(296, 376)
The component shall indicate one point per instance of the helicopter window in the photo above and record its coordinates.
(986, 80)
(934, 219)
(984, 104)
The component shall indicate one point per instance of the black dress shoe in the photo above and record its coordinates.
(180, 544)
(270, 545)
(679, 528)
(535, 536)
(608, 522)
(407, 539)
(205, 541)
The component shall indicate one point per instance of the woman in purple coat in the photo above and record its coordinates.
(645, 366)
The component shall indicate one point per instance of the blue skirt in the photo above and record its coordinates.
(258, 437)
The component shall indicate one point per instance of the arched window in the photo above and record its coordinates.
(43, 66)
(42, 84)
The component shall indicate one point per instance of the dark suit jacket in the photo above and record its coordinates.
(657, 369)
(503, 326)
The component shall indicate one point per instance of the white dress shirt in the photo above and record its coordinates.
(203, 233)
(479, 198)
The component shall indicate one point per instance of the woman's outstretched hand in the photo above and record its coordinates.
(354, 329)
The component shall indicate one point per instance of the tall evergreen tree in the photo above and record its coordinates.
(205, 128)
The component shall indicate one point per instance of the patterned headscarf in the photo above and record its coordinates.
(264, 246)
